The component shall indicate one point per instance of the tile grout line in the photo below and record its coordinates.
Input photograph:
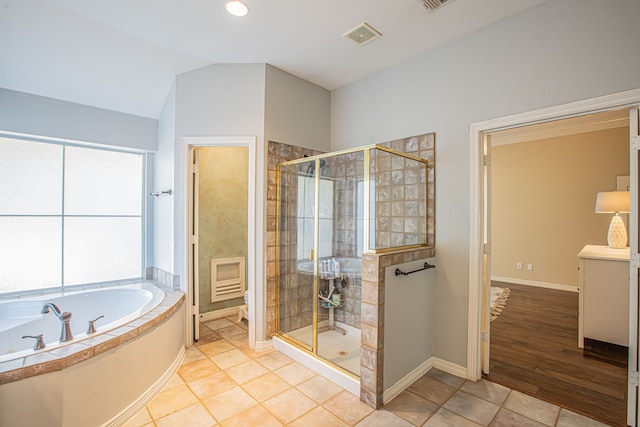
(261, 404)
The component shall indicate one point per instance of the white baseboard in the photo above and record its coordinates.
(450, 368)
(137, 405)
(217, 314)
(389, 394)
(547, 285)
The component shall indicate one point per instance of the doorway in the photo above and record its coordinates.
(225, 259)
(479, 338)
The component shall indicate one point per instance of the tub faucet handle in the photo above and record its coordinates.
(92, 328)
(39, 345)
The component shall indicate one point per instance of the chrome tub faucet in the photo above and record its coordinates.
(64, 317)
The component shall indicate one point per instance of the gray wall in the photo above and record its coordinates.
(164, 179)
(41, 116)
(217, 100)
(559, 52)
(408, 320)
(296, 112)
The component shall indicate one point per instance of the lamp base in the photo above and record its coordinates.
(617, 236)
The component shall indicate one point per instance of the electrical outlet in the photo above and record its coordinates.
(530, 267)
(518, 266)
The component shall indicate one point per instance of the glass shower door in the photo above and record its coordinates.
(296, 267)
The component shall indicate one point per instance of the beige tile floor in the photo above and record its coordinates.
(224, 383)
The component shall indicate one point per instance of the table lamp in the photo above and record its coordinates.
(614, 202)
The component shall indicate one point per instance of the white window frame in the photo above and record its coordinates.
(143, 191)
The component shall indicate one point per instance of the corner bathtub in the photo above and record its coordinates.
(97, 379)
(118, 305)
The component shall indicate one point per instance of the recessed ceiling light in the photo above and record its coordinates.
(237, 8)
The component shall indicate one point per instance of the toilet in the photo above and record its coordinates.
(243, 310)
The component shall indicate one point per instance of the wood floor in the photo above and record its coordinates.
(534, 350)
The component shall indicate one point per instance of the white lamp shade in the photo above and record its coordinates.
(613, 201)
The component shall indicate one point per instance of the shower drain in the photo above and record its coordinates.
(342, 353)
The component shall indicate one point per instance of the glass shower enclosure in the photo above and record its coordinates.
(332, 208)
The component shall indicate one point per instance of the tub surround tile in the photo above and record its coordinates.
(42, 363)
(125, 333)
(102, 343)
(73, 353)
(11, 370)
(58, 358)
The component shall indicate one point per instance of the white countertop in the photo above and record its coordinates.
(605, 252)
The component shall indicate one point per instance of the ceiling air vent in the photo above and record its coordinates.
(362, 34)
(432, 4)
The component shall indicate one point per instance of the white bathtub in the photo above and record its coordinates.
(118, 305)
(98, 380)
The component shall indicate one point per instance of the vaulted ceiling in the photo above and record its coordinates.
(123, 55)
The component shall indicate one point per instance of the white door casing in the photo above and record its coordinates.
(194, 260)
(477, 271)
(634, 265)
(486, 282)
(255, 269)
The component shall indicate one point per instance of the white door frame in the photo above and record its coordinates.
(477, 238)
(254, 225)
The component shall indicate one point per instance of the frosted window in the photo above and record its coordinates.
(30, 178)
(102, 249)
(30, 256)
(99, 182)
(68, 215)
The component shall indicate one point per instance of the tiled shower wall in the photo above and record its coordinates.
(296, 294)
(278, 153)
(399, 187)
